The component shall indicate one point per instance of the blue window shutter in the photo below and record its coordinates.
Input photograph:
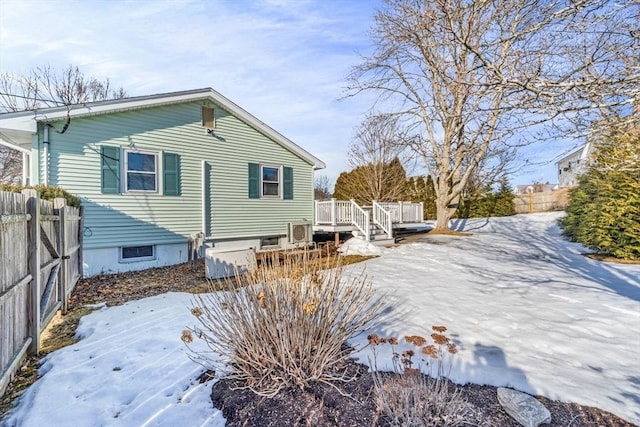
(287, 183)
(110, 160)
(254, 181)
(171, 174)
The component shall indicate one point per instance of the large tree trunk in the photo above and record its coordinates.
(442, 215)
(443, 202)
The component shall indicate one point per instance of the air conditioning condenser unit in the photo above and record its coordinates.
(300, 232)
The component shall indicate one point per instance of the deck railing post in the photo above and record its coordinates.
(333, 211)
(315, 212)
(367, 226)
(421, 212)
(352, 211)
(374, 210)
(401, 208)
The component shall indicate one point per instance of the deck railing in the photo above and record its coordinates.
(333, 212)
(404, 212)
(339, 212)
(360, 218)
(382, 218)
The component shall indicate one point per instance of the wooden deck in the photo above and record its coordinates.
(368, 222)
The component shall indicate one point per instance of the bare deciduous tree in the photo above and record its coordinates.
(10, 165)
(466, 76)
(45, 87)
(321, 188)
(378, 158)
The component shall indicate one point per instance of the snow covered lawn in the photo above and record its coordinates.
(525, 308)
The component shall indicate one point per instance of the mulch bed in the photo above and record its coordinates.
(320, 405)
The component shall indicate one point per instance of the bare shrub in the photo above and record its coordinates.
(409, 398)
(284, 325)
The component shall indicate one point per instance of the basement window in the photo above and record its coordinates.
(269, 242)
(137, 253)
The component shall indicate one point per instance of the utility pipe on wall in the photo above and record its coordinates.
(46, 154)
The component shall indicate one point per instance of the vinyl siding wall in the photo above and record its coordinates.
(128, 220)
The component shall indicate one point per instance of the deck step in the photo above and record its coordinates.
(376, 237)
(383, 242)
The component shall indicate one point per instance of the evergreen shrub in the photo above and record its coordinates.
(604, 211)
(45, 192)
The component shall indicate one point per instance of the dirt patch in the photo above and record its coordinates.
(321, 405)
(608, 258)
(435, 232)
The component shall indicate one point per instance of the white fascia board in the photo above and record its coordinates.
(267, 130)
(24, 122)
(28, 120)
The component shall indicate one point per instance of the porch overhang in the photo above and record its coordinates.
(16, 139)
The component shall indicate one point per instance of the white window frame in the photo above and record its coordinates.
(125, 169)
(122, 259)
(262, 181)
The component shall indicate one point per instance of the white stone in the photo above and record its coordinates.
(525, 409)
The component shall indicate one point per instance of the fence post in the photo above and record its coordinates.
(33, 209)
(81, 242)
(59, 205)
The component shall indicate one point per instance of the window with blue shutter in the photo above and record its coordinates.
(171, 174)
(254, 181)
(287, 183)
(110, 160)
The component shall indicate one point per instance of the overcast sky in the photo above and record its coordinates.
(284, 61)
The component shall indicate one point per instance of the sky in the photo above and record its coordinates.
(284, 61)
(525, 308)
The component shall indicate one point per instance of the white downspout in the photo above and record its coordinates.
(204, 199)
(46, 154)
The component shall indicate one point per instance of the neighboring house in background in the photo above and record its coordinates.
(152, 171)
(573, 165)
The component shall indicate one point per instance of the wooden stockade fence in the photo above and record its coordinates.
(40, 263)
(542, 202)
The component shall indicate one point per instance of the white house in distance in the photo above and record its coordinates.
(151, 171)
(572, 165)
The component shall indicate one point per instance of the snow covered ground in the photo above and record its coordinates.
(525, 308)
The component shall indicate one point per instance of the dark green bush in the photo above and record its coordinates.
(46, 192)
(488, 202)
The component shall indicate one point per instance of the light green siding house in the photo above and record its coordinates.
(152, 171)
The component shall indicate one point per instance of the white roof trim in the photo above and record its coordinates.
(28, 120)
(8, 142)
(583, 150)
